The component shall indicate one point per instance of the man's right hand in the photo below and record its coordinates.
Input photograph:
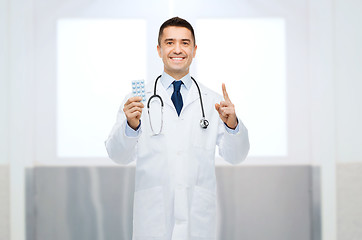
(133, 110)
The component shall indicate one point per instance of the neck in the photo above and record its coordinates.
(176, 75)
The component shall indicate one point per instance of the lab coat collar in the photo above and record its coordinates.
(167, 80)
(192, 95)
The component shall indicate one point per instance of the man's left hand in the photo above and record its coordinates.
(226, 110)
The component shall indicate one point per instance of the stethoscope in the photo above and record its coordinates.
(203, 122)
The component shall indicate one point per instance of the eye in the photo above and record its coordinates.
(185, 43)
(169, 43)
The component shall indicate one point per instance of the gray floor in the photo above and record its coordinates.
(255, 203)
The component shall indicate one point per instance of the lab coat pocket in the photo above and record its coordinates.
(202, 138)
(149, 213)
(203, 213)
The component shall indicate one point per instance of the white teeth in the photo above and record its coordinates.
(177, 58)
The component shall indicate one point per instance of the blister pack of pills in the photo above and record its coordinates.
(138, 89)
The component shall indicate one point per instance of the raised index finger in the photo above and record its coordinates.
(224, 92)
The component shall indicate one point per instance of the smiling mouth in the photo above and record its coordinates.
(177, 58)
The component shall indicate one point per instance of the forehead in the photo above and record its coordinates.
(173, 32)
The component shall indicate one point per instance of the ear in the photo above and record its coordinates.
(159, 50)
(195, 48)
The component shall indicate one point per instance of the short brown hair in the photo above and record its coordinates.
(176, 22)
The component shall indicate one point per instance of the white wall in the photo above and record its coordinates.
(4, 161)
(348, 63)
(21, 106)
(321, 99)
(335, 87)
(4, 80)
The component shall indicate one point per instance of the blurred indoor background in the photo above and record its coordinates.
(292, 68)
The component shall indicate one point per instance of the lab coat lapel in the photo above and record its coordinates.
(192, 96)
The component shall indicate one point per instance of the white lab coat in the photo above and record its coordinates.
(175, 185)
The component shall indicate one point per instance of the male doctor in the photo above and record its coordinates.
(175, 185)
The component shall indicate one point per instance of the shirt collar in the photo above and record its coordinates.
(167, 80)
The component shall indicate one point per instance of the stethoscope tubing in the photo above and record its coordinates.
(203, 122)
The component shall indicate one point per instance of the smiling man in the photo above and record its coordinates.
(177, 47)
(175, 183)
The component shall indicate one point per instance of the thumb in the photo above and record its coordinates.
(217, 106)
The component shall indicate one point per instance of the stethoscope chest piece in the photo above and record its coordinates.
(204, 123)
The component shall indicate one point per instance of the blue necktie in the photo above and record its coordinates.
(176, 96)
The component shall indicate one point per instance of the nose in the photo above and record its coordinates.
(177, 49)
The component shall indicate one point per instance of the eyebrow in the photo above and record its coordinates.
(172, 39)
